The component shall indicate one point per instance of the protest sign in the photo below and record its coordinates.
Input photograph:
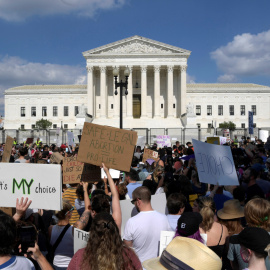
(112, 146)
(263, 135)
(115, 174)
(149, 154)
(8, 210)
(7, 150)
(75, 171)
(41, 184)
(70, 136)
(223, 140)
(165, 238)
(128, 210)
(163, 140)
(56, 157)
(80, 239)
(29, 140)
(213, 140)
(215, 164)
(141, 141)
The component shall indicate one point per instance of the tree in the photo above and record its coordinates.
(228, 125)
(43, 124)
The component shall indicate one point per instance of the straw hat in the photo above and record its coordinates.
(186, 254)
(232, 209)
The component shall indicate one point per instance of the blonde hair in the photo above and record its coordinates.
(158, 169)
(257, 213)
(207, 210)
(61, 215)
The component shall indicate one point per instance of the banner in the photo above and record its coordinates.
(163, 140)
(150, 154)
(112, 146)
(7, 150)
(75, 171)
(215, 164)
(250, 122)
(80, 239)
(40, 183)
(70, 136)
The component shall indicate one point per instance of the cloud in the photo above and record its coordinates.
(227, 78)
(247, 55)
(18, 10)
(15, 71)
(190, 79)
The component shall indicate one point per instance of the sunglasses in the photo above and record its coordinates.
(133, 201)
(69, 211)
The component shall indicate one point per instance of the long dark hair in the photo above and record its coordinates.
(105, 249)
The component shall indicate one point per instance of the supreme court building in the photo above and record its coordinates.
(158, 94)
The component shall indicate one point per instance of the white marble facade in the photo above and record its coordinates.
(158, 94)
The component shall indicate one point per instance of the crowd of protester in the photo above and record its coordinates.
(215, 227)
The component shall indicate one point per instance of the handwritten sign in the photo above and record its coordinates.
(213, 140)
(70, 136)
(149, 154)
(41, 184)
(112, 146)
(80, 239)
(75, 171)
(165, 238)
(215, 164)
(8, 210)
(56, 157)
(7, 150)
(163, 140)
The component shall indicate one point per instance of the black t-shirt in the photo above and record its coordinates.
(254, 191)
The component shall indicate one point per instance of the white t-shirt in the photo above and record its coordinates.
(173, 219)
(144, 230)
(18, 263)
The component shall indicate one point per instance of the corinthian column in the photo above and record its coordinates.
(157, 91)
(103, 97)
(170, 91)
(183, 92)
(143, 90)
(90, 91)
(130, 94)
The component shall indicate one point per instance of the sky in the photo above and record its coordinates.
(41, 41)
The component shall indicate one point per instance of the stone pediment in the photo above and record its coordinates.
(136, 45)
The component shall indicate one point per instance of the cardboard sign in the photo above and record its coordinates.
(149, 154)
(112, 146)
(213, 140)
(165, 238)
(29, 140)
(75, 171)
(128, 210)
(80, 239)
(56, 157)
(215, 164)
(41, 184)
(7, 150)
(8, 210)
(163, 140)
(70, 136)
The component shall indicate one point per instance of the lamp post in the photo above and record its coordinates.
(121, 85)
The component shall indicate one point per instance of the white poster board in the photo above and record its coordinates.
(141, 141)
(80, 239)
(165, 238)
(70, 136)
(158, 203)
(215, 163)
(222, 140)
(114, 173)
(263, 135)
(40, 183)
(163, 140)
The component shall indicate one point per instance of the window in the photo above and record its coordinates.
(22, 126)
(44, 111)
(220, 109)
(209, 109)
(243, 125)
(231, 109)
(254, 125)
(161, 105)
(174, 105)
(253, 109)
(65, 125)
(65, 110)
(99, 106)
(198, 109)
(22, 111)
(55, 111)
(54, 125)
(33, 111)
(76, 110)
(242, 110)
(33, 126)
(111, 106)
(209, 125)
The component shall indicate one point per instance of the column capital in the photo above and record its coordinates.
(90, 69)
(183, 68)
(143, 68)
(157, 68)
(170, 68)
(102, 69)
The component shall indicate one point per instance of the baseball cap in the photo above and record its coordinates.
(189, 223)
